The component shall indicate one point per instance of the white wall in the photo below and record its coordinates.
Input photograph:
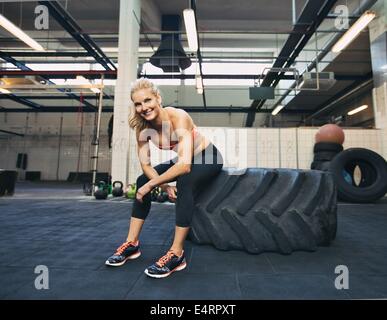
(241, 147)
(41, 143)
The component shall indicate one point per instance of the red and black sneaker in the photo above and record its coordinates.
(127, 251)
(167, 264)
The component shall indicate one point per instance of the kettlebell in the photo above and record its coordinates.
(118, 191)
(131, 191)
(162, 197)
(155, 193)
(102, 192)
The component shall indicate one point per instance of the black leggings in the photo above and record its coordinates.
(205, 166)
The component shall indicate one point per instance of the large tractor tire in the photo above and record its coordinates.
(258, 210)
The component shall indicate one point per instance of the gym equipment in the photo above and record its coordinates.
(374, 184)
(110, 187)
(155, 193)
(7, 182)
(118, 191)
(258, 210)
(131, 191)
(320, 165)
(102, 192)
(330, 133)
(327, 146)
(324, 156)
(324, 152)
(162, 197)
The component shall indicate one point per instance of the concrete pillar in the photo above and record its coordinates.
(378, 45)
(128, 42)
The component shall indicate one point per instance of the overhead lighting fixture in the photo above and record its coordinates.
(17, 32)
(5, 91)
(277, 109)
(190, 28)
(361, 108)
(353, 31)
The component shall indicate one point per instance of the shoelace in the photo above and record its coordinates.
(164, 259)
(122, 247)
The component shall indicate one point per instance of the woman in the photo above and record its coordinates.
(197, 161)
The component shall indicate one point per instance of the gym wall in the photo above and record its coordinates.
(257, 147)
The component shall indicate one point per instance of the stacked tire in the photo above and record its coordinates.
(372, 169)
(372, 184)
(323, 153)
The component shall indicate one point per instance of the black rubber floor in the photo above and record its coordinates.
(56, 226)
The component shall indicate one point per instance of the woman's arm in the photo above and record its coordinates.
(143, 152)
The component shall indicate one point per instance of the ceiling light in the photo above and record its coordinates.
(277, 109)
(353, 31)
(17, 32)
(361, 108)
(190, 28)
(5, 91)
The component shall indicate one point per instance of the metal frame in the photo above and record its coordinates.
(312, 11)
(324, 51)
(96, 140)
(72, 27)
(26, 69)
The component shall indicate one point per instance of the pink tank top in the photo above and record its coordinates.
(172, 145)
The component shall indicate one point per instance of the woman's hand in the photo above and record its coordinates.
(143, 191)
(171, 190)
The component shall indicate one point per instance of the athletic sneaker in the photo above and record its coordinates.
(127, 251)
(166, 265)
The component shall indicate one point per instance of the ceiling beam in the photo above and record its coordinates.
(72, 27)
(25, 69)
(327, 48)
(308, 21)
(113, 75)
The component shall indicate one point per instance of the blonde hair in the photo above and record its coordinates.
(135, 120)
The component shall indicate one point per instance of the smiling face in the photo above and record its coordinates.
(147, 104)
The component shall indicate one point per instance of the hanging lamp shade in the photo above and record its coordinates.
(170, 55)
